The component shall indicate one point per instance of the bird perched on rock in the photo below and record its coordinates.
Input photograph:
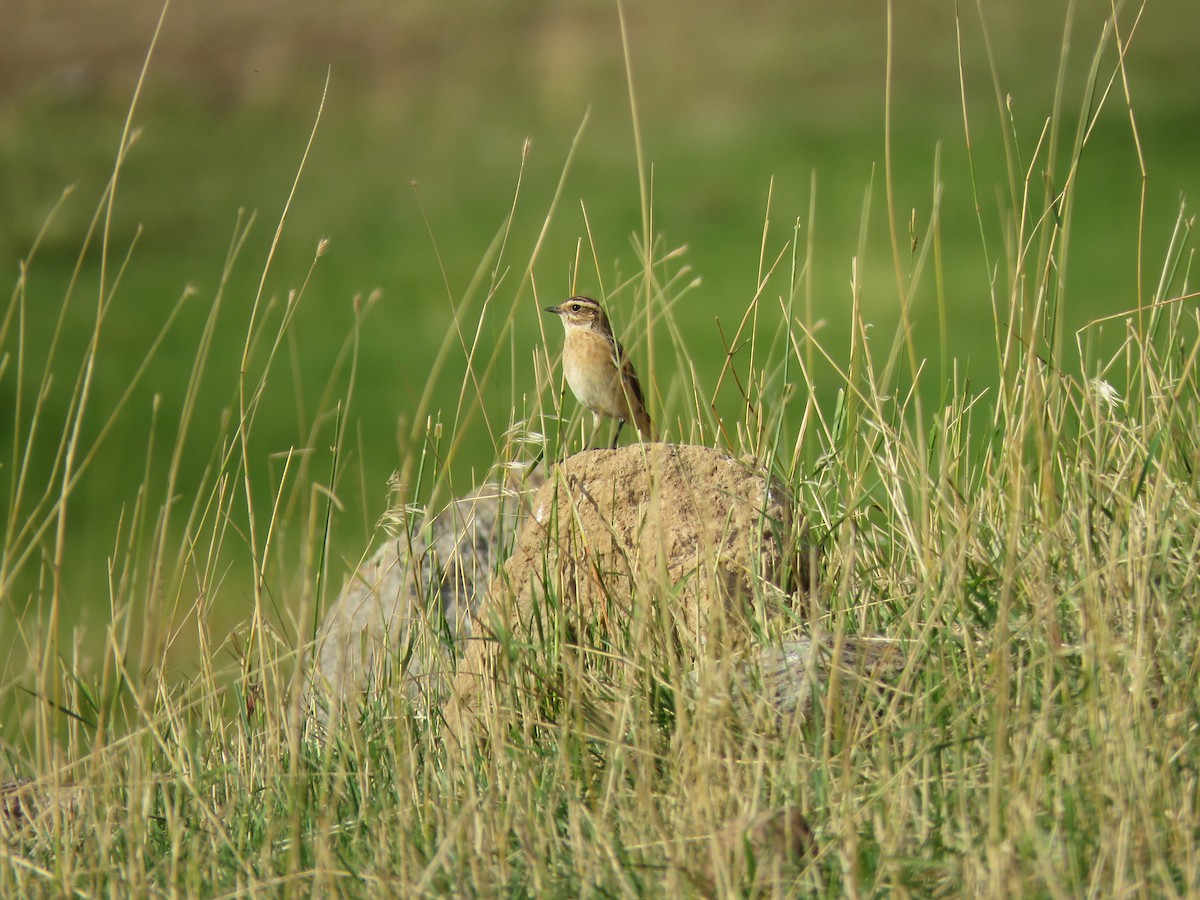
(599, 373)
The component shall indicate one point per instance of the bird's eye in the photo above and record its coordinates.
(576, 307)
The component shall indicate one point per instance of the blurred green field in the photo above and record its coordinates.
(414, 170)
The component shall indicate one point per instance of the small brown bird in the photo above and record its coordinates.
(599, 373)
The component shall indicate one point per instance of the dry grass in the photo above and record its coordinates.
(1035, 547)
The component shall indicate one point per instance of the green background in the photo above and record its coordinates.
(414, 170)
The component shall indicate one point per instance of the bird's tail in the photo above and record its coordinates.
(641, 421)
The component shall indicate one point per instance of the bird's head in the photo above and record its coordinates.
(581, 312)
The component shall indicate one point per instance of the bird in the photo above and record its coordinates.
(598, 371)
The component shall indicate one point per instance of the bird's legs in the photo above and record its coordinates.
(617, 433)
(595, 431)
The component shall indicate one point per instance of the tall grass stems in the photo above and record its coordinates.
(1034, 547)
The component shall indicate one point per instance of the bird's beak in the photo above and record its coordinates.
(554, 309)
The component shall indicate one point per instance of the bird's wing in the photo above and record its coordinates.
(625, 364)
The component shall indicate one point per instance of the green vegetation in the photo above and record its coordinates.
(975, 361)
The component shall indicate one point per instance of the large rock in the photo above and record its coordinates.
(771, 688)
(696, 537)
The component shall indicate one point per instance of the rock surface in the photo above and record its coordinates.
(409, 605)
(695, 532)
(27, 806)
(759, 848)
(780, 681)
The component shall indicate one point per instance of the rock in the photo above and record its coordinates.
(690, 530)
(780, 681)
(18, 803)
(408, 618)
(760, 849)
(27, 806)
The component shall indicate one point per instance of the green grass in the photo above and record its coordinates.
(930, 394)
